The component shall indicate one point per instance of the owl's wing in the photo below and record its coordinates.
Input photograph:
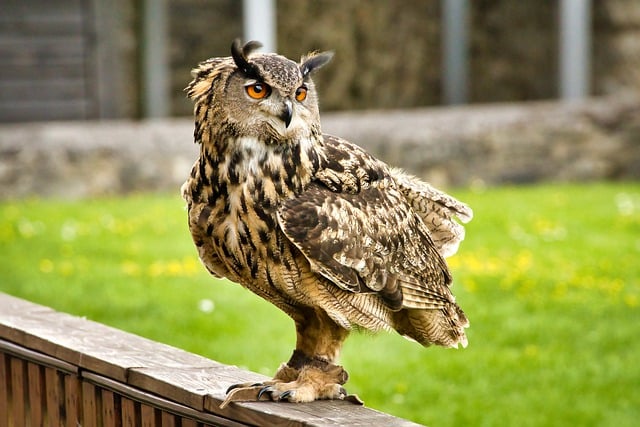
(437, 209)
(356, 228)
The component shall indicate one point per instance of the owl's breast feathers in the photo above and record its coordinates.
(365, 227)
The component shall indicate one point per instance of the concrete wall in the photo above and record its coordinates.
(480, 145)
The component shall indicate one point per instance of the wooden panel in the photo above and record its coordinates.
(129, 418)
(18, 391)
(90, 414)
(148, 416)
(38, 51)
(25, 110)
(5, 389)
(36, 394)
(158, 402)
(42, 45)
(43, 72)
(168, 419)
(60, 23)
(50, 90)
(109, 414)
(54, 395)
(186, 422)
(73, 400)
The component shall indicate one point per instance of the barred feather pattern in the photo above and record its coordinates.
(312, 223)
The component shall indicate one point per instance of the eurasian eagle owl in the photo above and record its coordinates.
(312, 223)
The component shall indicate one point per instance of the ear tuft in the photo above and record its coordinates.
(240, 53)
(314, 61)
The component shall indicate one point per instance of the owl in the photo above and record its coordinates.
(312, 223)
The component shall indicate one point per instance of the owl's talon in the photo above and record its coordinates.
(242, 394)
(286, 394)
(232, 387)
(263, 390)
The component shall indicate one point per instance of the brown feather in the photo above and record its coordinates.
(312, 223)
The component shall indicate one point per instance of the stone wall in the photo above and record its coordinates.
(474, 145)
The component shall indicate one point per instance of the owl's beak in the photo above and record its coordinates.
(287, 112)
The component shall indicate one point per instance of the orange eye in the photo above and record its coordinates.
(258, 90)
(301, 93)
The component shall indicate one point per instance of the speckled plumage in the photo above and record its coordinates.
(312, 223)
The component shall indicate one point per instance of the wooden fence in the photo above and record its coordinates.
(61, 370)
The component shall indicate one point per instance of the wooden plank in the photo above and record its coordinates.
(90, 415)
(29, 110)
(44, 90)
(5, 389)
(319, 413)
(35, 375)
(159, 403)
(88, 344)
(148, 416)
(168, 419)
(130, 370)
(42, 10)
(19, 391)
(73, 401)
(187, 422)
(10, 305)
(31, 24)
(43, 72)
(54, 395)
(54, 50)
(129, 418)
(189, 386)
(36, 357)
(109, 414)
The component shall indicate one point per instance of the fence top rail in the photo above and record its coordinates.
(125, 361)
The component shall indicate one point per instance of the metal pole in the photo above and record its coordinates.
(575, 48)
(259, 20)
(455, 50)
(155, 73)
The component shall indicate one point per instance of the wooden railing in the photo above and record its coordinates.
(61, 370)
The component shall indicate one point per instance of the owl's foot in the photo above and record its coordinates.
(306, 384)
(311, 383)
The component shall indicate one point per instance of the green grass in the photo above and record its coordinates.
(549, 277)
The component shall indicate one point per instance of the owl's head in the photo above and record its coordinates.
(257, 94)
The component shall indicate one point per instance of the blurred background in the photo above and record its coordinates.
(91, 59)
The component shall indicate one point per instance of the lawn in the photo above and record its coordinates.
(549, 276)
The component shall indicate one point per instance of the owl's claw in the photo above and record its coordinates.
(242, 385)
(287, 394)
(263, 390)
(304, 385)
(251, 393)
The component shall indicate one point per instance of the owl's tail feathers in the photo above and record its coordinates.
(444, 326)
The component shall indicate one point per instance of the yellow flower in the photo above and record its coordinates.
(46, 265)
